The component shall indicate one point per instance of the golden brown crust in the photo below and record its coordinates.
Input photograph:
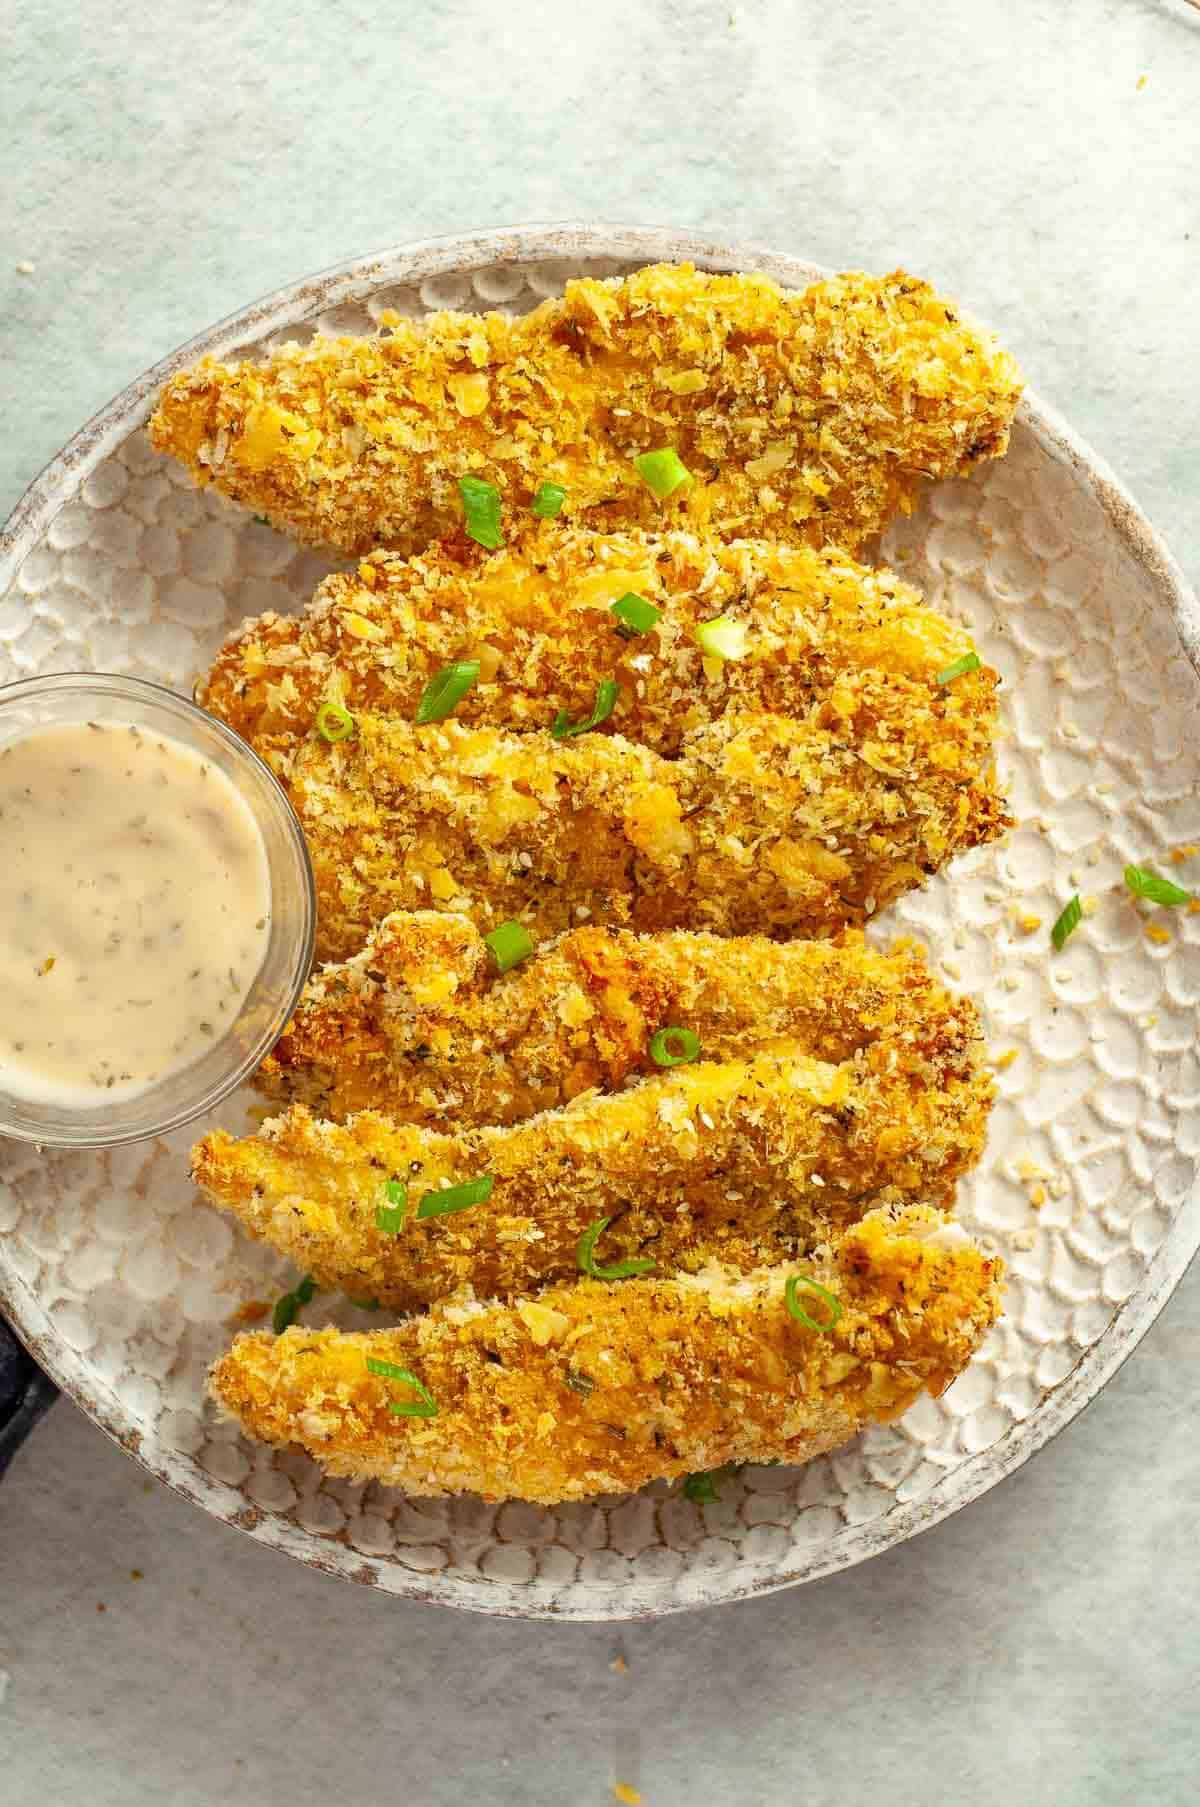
(748, 1158)
(804, 417)
(599, 1388)
(538, 618)
(764, 824)
(421, 1026)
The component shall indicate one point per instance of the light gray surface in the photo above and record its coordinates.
(1042, 1644)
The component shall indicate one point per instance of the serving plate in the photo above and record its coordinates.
(123, 1285)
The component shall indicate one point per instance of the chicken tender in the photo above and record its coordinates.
(421, 1026)
(538, 618)
(765, 824)
(807, 417)
(731, 1157)
(595, 1388)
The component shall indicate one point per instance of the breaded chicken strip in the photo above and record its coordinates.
(806, 417)
(538, 617)
(728, 1157)
(422, 1027)
(764, 824)
(600, 1388)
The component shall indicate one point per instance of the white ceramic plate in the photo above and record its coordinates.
(122, 1284)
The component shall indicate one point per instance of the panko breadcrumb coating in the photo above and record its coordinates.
(742, 1156)
(805, 417)
(420, 1025)
(538, 617)
(601, 1388)
(764, 824)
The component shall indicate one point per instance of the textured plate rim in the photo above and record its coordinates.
(573, 242)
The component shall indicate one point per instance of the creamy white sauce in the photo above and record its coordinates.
(135, 903)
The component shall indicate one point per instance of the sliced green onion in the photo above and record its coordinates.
(702, 1488)
(390, 1217)
(424, 1406)
(722, 638)
(1067, 923)
(364, 1304)
(287, 1307)
(481, 505)
(620, 1270)
(663, 472)
(959, 669)
(334, 723)
(636, 612)
(607, 692)
(284, 1312)
(510, 944)
(262, 520)
(548, 500)
(832, 1304)
(457, 1198)
(1144, 882)
(583, 1384)
(674, 1047)
(446, 690)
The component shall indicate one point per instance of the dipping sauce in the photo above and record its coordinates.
(135, 903)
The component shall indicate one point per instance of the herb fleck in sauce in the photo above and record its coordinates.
(134, 909)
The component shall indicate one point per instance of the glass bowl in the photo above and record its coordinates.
(187, 1091)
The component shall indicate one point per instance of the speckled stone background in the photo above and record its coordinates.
(1040, 1645)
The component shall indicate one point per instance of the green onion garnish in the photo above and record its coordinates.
(334, 723)
(364, 1304)
(663, 472)
(481, 504)
(287, 1307)
(457, 1198)
(674, 1047)
(548, 500)
(510, 944)
(284, 1312)
(702, 1488)
(959, 669)
(390, 1217)
(636, 612)
(446, 690)
(1145, 883)
(607, 692)
(1067, 923)
(424, 1406)
(262, 520)
(620, 1270)
(722, 638)
(796, 1310)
